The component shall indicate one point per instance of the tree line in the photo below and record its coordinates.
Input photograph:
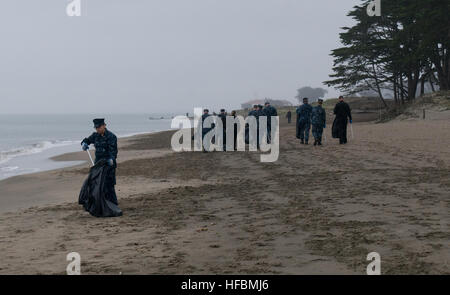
(399, 52)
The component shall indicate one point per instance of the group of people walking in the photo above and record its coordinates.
(257, 111)
(223, 117)
(267, 111)
(307, 116)
(309, 120)
(98, 194)
(316, 117)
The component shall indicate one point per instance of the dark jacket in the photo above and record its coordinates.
(304, 114)
(105, 146)
(270, 111)
(339, 128)
(342, 111)
(254, 113)
(223, 117)
(205, 130)
(318, 116)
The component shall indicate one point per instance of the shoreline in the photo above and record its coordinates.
(63, 156)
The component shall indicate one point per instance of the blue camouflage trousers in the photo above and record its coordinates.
(317, 131)
(304, 131)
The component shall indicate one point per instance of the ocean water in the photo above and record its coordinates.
(28, 141)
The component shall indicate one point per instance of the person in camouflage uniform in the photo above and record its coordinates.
(269, 111)
(260, 111)
(255, 112)
(318, 121)
(105, 143)
(304, 121)
(204, 130)
(289, 116)
(223, 117)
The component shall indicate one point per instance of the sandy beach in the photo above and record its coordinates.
(317, 210)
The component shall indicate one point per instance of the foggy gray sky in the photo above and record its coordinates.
(163, 55)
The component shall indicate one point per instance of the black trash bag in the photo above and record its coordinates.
(335, 129)
(297, 130)
(98, 195)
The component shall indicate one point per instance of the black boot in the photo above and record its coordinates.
(301, 141)
(315, 142)
(320, 141)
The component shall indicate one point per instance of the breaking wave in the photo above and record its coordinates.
(7, 155)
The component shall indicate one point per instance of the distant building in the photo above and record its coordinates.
(273, 102)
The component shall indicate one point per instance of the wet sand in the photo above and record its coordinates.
(317, 210)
